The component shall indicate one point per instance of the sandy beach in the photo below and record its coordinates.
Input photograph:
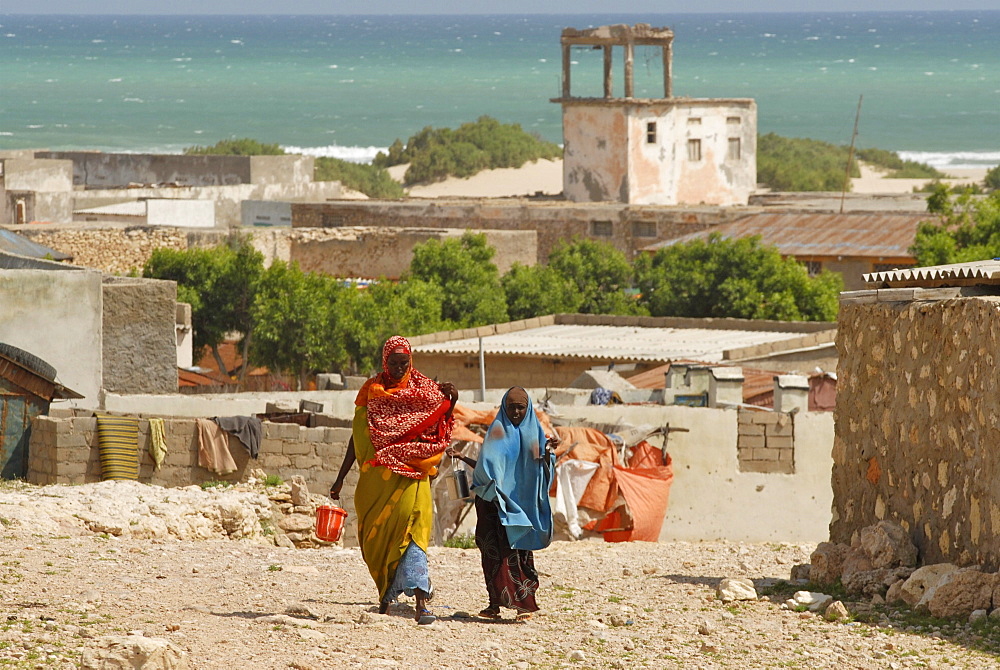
(544, 177)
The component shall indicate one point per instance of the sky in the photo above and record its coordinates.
(402, 7)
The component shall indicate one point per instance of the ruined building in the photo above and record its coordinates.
(652, 151)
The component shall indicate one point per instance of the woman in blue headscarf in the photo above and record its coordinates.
(511, 481)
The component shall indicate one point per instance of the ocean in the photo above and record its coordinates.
(348, 86)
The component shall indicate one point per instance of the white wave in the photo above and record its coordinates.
(957, 160)
(6, 133)
(352, 154)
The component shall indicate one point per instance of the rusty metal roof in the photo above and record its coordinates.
(958, 274)
(612, 343)
(805, 235)
(13, 243)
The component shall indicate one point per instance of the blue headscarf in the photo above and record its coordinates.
(515, 470)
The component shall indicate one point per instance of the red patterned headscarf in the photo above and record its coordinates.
(406, 420)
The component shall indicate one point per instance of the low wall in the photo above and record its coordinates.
(628, 228)
(65, 451)
(139, 343)
(917, 421)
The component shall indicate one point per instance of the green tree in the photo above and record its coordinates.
(293, 314)
(470, 282)
(734, 278)
(368, 317)
(598, 274)
(968, 228)
(537, 290)
(219, 283)
(375, 182)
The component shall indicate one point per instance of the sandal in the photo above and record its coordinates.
(492, 613)
(523, 616)
(424, 617)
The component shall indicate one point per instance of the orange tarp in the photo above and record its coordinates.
(594, 446)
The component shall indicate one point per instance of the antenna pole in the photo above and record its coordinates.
(850, 155)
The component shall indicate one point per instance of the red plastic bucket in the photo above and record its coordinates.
(330, 522)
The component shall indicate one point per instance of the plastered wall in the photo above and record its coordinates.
(140, 335)
(918, 422)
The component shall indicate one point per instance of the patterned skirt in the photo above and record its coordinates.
(511, 580)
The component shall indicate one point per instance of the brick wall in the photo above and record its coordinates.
(765, 442)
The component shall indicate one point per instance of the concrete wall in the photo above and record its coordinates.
(93, 169)
(627, 228)
(140, 335)
(265, 214)
(917, 421)
(228, 199)
(608, 155)
(387, 252)
(44, 187)
(55, 314)
(181, 213)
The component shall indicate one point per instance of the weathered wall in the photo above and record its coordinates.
(44, 187)
(627, 228)
(28, 174)
(65, 451)
(228, 199)
(265, 214)
(607, 154)
(917, 422)
(180, 213)
(595, 153)
(114, 249)
(140, 336)
(109, 170)
(387, 252)
(712, 497)
(55, 314)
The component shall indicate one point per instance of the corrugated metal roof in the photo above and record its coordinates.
(13, 243)
(868, 235)
(133, 208)
(615, 343)
(978, 272)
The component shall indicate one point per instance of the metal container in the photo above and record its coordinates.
(458, 482)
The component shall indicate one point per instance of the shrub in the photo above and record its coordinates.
(371, 180)
(240, 147)
(795, 164)
(992, 180)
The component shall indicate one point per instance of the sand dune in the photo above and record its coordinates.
(545, 177)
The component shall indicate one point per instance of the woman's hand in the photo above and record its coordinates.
(552, 443)
(449, 390)
(335, 489)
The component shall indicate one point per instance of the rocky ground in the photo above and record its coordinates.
(68, 588)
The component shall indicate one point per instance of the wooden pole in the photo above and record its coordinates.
(850, 155)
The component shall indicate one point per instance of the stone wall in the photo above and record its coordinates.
(114, 249)
(65, 451)
(918, 421)
(140, 335)
(628, 228)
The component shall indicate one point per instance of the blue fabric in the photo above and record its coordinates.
(515, 470)
(411, 573)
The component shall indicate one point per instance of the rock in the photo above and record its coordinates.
(731, 589)
(800, 572)
(133, 652)
(961, 592)
(310, 634)
(577, 655)
(894, 594)
(995, 614)
(836, 611)
(301, 610)
(873, 583)
(364, 618)
(649, 570)
(707, 648)
(282, 620)
(296, 523)
(827, 562)
(922, 581)
(887, 545)
(813, 600)
(855, 561)
(977, 615)
(705, 627)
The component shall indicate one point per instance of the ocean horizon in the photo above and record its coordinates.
(347, 86)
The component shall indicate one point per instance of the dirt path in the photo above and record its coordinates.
(606, 606)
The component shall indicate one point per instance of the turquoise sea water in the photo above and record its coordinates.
(349, 85)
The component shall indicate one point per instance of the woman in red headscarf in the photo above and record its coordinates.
(402, 425)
